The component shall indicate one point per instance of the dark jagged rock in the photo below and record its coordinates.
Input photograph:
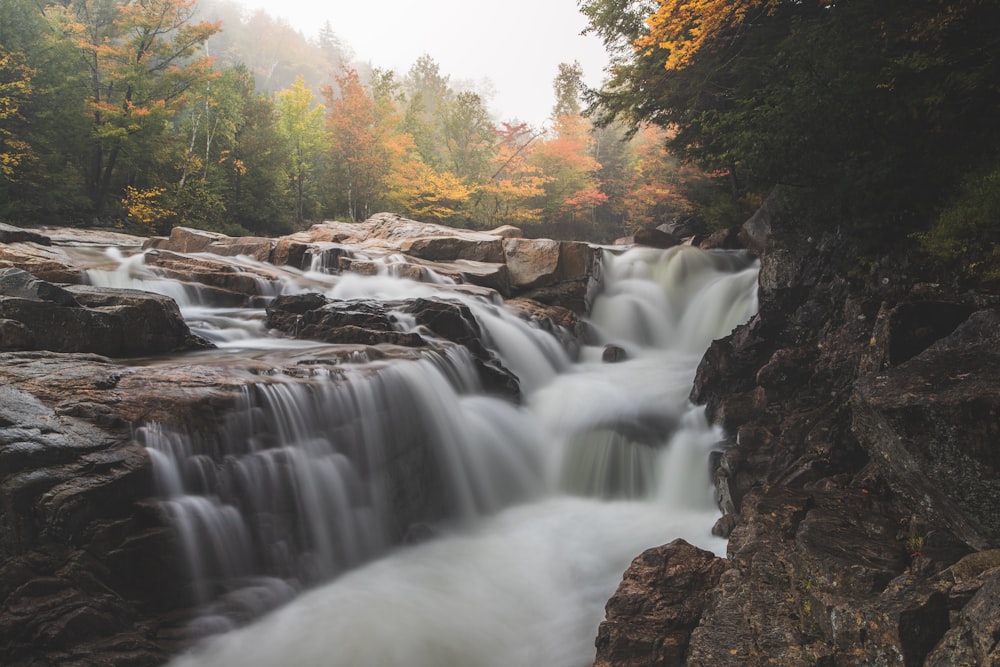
(657, 605)
(315, 317)
(68, 490)
(861, 470)
(931, 425)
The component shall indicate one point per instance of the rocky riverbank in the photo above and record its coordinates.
(857, 486)
(859, 482)
(89, 572)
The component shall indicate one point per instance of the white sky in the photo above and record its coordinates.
(516, 44)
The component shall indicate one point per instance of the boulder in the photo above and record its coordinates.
(726, 239)
(217, 281)
(315, 317)
(682, 229)
(658, 604)
(69, 489)
(21, 284)
(120, 323)
(507, 232)
(531, 262)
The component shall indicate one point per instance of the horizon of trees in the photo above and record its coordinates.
(155, 113)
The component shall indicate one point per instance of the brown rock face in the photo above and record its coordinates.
(932, 424)
(861, 470)
(659, 602)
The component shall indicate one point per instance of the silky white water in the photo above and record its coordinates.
(533, 509)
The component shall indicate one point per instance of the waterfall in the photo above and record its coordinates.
(391, 513)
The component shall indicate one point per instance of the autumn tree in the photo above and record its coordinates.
(141, 60)
(364, 147)
(655, 192)
(15, 88)
(571, 190)
(515, 186)
(867, 113)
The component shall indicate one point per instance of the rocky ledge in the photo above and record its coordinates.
(859, 484)
(82, 366)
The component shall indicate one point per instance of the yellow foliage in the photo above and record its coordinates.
(427, 194)
(143, 206)
(684, 27)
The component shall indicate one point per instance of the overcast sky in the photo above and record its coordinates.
(516, 44)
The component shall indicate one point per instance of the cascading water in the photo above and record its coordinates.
(452, 527)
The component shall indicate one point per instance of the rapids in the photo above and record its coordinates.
(540, 504)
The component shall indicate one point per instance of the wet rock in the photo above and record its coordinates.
(52, 264)
(655, 238)
(112, 322)
(682, 229)
(613, 354)
(725, 239)
(434, 242)
(657, 605)
(857, 470)
(314, 317)
(64, 483)
(12, 234)
(23, 285)
(532, 262)
(187, 240)
(216, 281)
(931, 424)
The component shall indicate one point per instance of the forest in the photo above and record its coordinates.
(155, 113)
(877, 118)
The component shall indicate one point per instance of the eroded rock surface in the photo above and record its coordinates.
(860, 482)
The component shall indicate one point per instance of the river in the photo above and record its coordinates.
(292, 529)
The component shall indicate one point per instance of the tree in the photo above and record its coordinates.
(425, 194)
(469, 137)
(654, 194)
(427, 94)
(568, 85)
(300, 122)
(140, 56)
(15, 88)
(256, 179)
(571, 190)
(867, 112)
(509, 194)
(364, 147)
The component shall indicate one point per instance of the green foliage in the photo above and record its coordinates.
(866, 111)
(965, 236)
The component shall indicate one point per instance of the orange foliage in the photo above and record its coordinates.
(685, 27)
(571, 187)
(515, 181)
